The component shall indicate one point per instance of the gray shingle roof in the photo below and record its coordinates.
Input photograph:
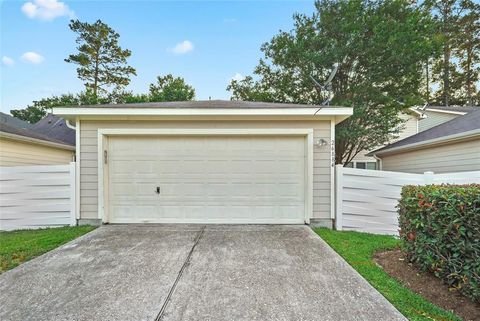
(206, 104)
(13, 121)
(461, 124)
(461, 109)
(51, 128)
(55, 127)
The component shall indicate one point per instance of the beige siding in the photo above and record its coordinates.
(16, 153)
(88, 158)
(455, 157)
(433, 119)
(410, 128)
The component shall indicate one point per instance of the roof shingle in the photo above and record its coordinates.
(461, 124)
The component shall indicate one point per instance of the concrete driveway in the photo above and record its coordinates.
(190, 272)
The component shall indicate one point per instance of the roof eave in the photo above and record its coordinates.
(439, 140)
(37, 141)
(453, 112)
(338, 113)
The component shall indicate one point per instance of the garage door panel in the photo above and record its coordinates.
(212, 179)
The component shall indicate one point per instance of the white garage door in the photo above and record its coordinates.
(211, 179)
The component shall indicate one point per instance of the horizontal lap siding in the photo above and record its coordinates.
(456, 157)
(15, 153)
(410, 127)
(89, 160)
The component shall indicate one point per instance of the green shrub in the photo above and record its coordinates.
(440, 227)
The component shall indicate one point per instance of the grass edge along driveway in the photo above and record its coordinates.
(20, 246)
(358, 250)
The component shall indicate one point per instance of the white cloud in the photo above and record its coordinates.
(7, 61)
(46, 10)
(182, 47)
(237, 77)
(32, 57)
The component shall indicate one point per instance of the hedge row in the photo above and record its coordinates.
(440, 226)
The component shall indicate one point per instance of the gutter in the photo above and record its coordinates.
(447, 111)
(435, 141)
(67, 122)
(36, 141)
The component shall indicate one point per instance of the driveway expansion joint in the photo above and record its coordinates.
(186, 263)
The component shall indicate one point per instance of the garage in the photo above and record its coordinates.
(207, 179)
(205, 162)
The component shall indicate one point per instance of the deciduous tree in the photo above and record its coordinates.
(379, 46)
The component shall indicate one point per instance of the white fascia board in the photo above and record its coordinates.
(426, 143)
(103, 112)
(446, 111)
(416, 112)
(36, 141)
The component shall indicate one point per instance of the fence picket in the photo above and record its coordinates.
(366, 200)
(37, 196)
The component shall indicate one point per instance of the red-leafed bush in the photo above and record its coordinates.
(440, 226)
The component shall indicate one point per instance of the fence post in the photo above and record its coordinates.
(73, 185)
(428, 177)
(338, 197)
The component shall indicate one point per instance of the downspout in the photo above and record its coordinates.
(380, 165)
(67, 122)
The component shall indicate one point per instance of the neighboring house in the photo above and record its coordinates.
(205, 162)
(416, 121)
(410, 127)
(436, 115)
(13, 121)
(453, 146)
(47, 142)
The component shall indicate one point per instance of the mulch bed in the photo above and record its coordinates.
(427, 285)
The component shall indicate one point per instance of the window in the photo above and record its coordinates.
(372, 165)
(361, 165)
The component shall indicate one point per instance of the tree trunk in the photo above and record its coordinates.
(446, 74)
(95, 81)
(428, 82)
(469, 77)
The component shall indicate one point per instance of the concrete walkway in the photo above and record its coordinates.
(191, 272)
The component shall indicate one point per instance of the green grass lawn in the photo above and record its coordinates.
(358, 249)
(19, 246)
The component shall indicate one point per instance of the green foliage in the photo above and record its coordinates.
(169, 88)
(19, 246)
(440, 226)
(102, 63)
(455, 73)
(358, 249)
(379, 46)
(33, 113)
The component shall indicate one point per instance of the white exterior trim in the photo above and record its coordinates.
(332, 169)
(36, 141)
(73, 194)
(446, 111)
(435, 141)
(139, 111)
(103, 134)
(77, 168)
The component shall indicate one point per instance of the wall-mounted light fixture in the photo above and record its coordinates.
(320, 142)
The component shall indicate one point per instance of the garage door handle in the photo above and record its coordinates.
(157, 190)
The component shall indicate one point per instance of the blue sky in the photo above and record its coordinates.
(207, 43)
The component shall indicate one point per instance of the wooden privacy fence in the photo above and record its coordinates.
(37, 196)
(366, 200)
